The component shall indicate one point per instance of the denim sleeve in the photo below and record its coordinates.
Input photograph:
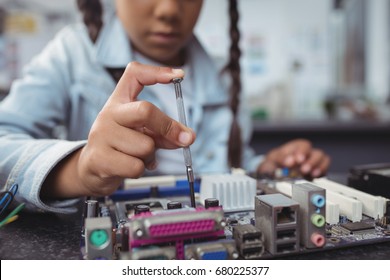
(27, 162)
(36, 105)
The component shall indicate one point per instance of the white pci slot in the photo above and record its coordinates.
(284, 188)
(332, 212)
(373, 206)
(332, 209)
(349, 207)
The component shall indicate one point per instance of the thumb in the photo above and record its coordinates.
(138, 75)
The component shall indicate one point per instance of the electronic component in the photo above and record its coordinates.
(174, 205)
(343, 219)
(332, 209)
(348, 206)
(216, 250)
(332, 212)
(277, 217)
(150, 253)
(178, 186)
(311, 201)
(91, 208)
(371, 178)
(142, 208)
(357, 228)
(98, 238)
(174, 225)
(373, 206)
(249, 241)
(235, 192)
(211, 202)
(129, 207)
(278, 225)
(384, 222)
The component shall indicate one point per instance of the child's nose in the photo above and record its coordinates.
(167, 9)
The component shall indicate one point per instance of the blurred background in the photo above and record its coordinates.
(317, 69)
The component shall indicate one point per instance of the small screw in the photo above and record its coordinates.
(177, 80)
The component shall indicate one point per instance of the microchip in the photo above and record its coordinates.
(357, 227)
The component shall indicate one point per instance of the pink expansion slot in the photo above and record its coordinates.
(181, 228)
(141, 242)
(174, 226)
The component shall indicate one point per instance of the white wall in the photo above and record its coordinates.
(35, 22)
(378, 48)
(275, 34)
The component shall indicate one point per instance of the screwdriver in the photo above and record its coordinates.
(186, 150)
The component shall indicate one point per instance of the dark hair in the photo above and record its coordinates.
(233, 67)
(92, 15)
(92, 12)
(3, 16)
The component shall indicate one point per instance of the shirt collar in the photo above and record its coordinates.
(113, 47)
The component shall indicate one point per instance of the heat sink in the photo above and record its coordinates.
(235, 192)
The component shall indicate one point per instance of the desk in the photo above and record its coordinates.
(52, 236)
(41, 236)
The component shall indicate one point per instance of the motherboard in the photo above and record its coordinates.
(236, 217)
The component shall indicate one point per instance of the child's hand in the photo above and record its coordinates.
(298, 154)
(124, 137)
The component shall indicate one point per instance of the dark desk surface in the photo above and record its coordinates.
(38, 236)
(49, 236)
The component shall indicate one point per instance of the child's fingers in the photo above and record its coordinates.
(292, 153)
(316, 164)
(143, 114)
(138, 75)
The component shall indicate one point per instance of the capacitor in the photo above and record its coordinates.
(174, 205)
(141, 209)
(211, 202)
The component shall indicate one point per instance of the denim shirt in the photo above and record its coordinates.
(66, 86)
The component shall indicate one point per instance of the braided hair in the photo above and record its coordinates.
(92, 12)
(233, 68)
